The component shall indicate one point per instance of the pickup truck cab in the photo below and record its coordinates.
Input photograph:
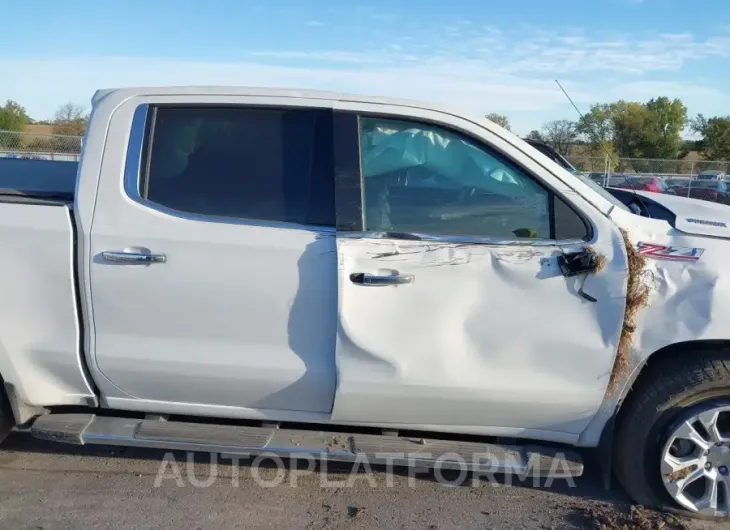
(276, 257)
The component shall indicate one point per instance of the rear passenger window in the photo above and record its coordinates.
(250, 163)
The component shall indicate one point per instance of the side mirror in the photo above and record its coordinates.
(583, 262)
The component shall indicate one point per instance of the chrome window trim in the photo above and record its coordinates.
(463, 240)
(132, 173)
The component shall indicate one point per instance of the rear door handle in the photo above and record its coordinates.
(380, 280)
(133, 256)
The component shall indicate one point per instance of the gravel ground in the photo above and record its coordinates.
(46, 486)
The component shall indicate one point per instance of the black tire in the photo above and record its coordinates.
(666, 391)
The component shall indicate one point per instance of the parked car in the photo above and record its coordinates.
(712, 174)
(707, 190)
(607, 179)
(246, 271)
(676, 182)
(598, 178)
(652, 184)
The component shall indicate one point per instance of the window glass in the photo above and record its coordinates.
(262, 164)
(421, 178)
(568, 225)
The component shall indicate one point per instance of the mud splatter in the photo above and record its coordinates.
(637, 297)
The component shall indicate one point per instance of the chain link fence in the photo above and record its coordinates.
(647, 166)
(14, 144)
(706, 180)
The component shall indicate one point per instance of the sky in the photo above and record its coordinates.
(477, 55)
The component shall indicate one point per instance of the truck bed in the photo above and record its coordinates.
(39, 321)
(39, 179)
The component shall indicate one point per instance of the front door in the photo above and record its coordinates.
(452, 309)
(213, 273)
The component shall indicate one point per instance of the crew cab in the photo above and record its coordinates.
(247, 270)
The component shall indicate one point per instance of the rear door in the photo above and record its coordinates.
(213, 274)
(453, 313)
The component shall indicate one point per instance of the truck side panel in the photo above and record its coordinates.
(39, 326)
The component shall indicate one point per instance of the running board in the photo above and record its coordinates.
(526, 461)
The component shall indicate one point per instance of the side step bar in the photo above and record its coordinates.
(525, 461)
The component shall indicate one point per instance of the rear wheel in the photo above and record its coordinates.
(672, 445)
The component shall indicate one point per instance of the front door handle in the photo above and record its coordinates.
(381, 280)
(133, 256)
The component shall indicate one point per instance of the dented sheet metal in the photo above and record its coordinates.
(485, 336)
(689, 299)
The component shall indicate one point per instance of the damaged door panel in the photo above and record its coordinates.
(482, 336)
(475, 296)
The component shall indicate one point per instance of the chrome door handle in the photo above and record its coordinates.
(378, 280)
(133, 256)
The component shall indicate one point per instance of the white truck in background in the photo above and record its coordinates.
(368, 266)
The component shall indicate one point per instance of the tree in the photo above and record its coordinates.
(560, 134)
(70, 120)
(499, 119)
(597, 126)
(636, 130)
(13, 117)
(535, 135)
(714, 143)
(630, 125)
(663, 135)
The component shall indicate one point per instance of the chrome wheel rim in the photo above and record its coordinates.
(695, 462)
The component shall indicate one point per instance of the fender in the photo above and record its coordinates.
(604, 449)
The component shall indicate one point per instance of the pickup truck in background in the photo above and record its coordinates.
(246, 270)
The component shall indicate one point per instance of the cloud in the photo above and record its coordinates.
(324, 56)
(490, 72)
(314, 23)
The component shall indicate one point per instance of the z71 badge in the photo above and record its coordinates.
(651, 250)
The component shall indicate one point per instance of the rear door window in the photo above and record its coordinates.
(262, 164)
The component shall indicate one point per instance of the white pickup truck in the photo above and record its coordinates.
(251, 270)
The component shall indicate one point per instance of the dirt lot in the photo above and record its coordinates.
(46, 486)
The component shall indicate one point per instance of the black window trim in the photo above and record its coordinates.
(502, 157)
(137, 161)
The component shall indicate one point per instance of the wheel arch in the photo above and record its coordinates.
(672, 350)
(604, 449)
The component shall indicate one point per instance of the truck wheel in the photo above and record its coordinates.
(672, 443)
